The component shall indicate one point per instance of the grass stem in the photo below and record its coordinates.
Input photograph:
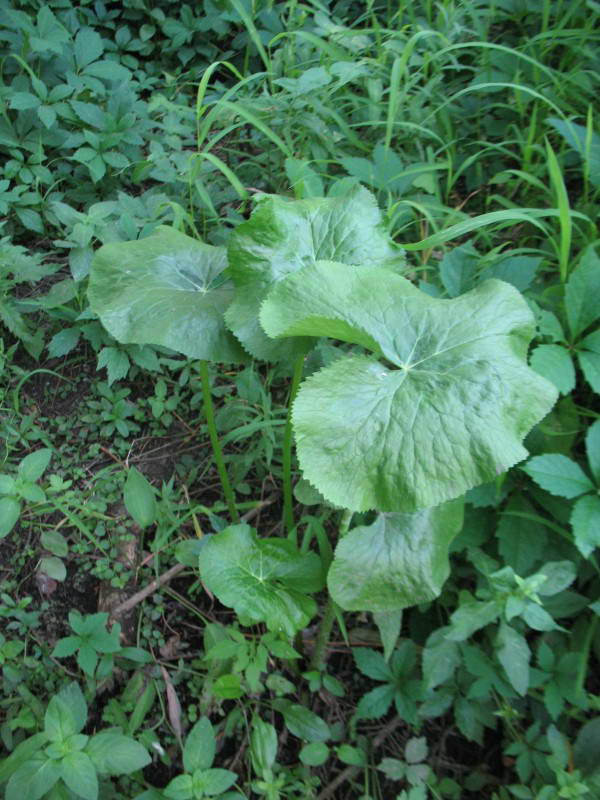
(209, 411)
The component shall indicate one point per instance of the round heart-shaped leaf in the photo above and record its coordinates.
(399, 560)
(167, 289)
(444, 405)
(281, 237)
(264, 580)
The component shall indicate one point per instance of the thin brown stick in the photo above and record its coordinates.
(140, 596)
(348, 773)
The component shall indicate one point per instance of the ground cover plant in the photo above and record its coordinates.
(299, 369)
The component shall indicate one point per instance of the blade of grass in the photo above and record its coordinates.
(564, 211)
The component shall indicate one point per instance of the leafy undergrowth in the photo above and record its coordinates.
(444, 646)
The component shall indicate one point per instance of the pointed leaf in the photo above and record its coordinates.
(585, 520)
(558, 475)
(78, 772)
(199, 750)
(555, 364)
(589, 359)
(167, 289)
(33, 779)
(266, 580)
(592, 446)
(10, 510)
(372, 664)
(446, 412)
(514, 655)
(399, 560)
(59, 722)
(32, 467)
(282, 236)
(112, 753)
(582, 292)
(139, 498)
(73, 697)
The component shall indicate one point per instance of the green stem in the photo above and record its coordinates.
(216, 444)
(319, 653)
(288, 510)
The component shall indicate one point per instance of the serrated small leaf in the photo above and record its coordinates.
(63, 342)
(108, 71)
(88, 46)
(558, 475)
(116, 362)
(554, 363)
(585, 520)
(582, 292)
(589, 359)
(592, 446)
(139, 498)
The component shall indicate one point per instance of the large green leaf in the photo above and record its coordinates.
(264, 580)
(167, 289)
(442, 407)
(282, 236)
(399, 560)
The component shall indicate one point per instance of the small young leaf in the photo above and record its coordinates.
(54, 568)
(116, 362)
(139, 498)
(55, 543)
(314, 754)
(32, 467)
(10, 511)
(199, 750)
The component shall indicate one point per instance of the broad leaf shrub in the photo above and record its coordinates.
(117, 120)
(438, 404)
